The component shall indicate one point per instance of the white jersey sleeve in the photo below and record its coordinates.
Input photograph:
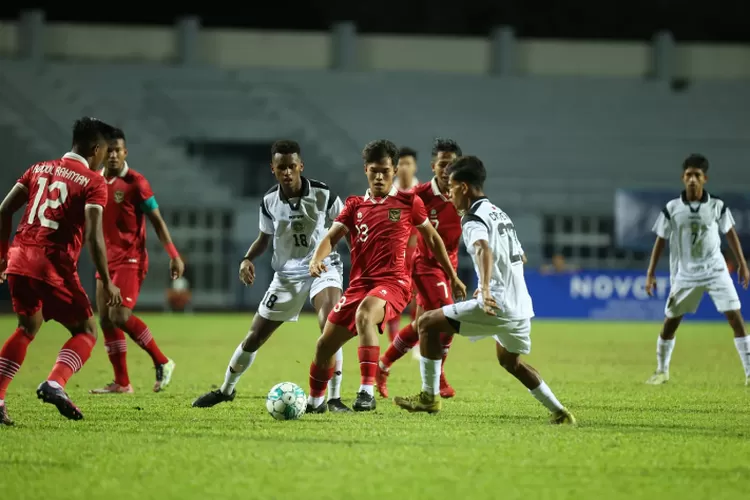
(265, 221)
(335, 206)
(663, 225)
(475, 231)
(726, 221)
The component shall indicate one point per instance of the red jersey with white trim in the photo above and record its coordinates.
(443, 215)
(54, 221)
(380, 229)
(130, 198)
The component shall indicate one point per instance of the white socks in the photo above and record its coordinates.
(430, 370)
(240, 362)
(544, 395)
(334, 386)
(664, 350)
(743, 349)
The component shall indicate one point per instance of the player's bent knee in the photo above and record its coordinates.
(119, 316)
(30, 324)
(366, 312)
(427, 322)
(87, 326)
(509, 361)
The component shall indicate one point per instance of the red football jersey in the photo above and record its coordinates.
(379, 229)
(443, 215)
(53, 224)
(130, 197)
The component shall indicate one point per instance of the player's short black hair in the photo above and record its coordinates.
(443, 145)
(407, 151)
(285, 147)
(468, 169)
(87, 132)
(117, 133)
(375, 151)
(695, 161)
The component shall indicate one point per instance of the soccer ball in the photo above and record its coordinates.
(286, 401)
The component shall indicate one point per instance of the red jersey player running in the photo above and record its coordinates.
(65, 202)
(130, 201)
(379, 224)
(428, 278)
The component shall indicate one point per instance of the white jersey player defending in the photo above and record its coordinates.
(295, 215)
(692, 224)
(501, 307)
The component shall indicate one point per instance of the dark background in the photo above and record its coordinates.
(718, 20)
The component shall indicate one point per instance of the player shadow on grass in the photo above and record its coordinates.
(42, 463)
(668, 428)
(669, 410)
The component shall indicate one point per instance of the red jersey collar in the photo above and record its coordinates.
(122, 173)
(392, 192)
(436, 190)
(73, 156)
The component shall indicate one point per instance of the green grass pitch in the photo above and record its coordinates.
(688, 439)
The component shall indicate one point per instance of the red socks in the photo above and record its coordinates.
(117, 350)
(139, 332)
(406, 339)
(11, 357)
(72, 357)
(368, 363)
(319, 378)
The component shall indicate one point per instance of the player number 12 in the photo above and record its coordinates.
(38, 210)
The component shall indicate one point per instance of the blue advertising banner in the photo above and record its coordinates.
(607, 295)
(636, 211)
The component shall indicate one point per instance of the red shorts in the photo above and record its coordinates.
(129, 281)
(344, 313)
(68, 305)
(433, 290)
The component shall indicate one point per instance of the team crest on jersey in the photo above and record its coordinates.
(119, 196)
(394, 214)
(297, 226)
(433, 213)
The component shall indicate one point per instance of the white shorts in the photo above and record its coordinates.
(685, 298)
(513, 334)
(286, 297)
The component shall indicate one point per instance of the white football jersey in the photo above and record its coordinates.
(298, 225)
(484, 221)
(692, 229)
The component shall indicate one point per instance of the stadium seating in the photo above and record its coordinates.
(549, 143)
(58, 93)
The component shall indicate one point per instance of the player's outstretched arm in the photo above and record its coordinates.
(14, 200)
(435, 243)
(325, 247)
(176, 265)
(655, 256)
(98, 250)
(733, 240)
